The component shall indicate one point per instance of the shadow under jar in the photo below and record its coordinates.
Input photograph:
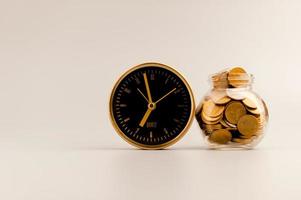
(231, 115)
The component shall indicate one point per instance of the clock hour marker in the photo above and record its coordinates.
(137, 80)
(152, 77)
(178, 90)
(126, 120)
(151, 134)
(165, 131)
(127, 90)
(181, 106)
(123, 105)
(166, 81)
(176, 120)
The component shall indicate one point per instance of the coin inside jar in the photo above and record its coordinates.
(220, 97)
(234, 111)
(221, 136)
(249, 103)
(248, 125)
(211, 109)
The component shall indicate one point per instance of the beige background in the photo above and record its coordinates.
(60, 59)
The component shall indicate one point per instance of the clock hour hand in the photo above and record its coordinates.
(145, 117)
(149, 110)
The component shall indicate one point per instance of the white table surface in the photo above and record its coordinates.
(33, 170)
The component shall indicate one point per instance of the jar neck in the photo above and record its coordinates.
(222, 81)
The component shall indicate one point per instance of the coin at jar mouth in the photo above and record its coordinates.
(221, 136)
(220, 97)
(236, 70)
(212, 110)
(221, 76)
(236, 95)
(238, 83)
(238, 77)
(234, 111)
(248, 125)
(220, 80)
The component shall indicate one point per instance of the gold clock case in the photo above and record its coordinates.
(160, 146)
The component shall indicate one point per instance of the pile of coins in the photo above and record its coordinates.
(233, 114)
(234, 78)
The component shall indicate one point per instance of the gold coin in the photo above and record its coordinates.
(221, 84)
(234, 111)
(248, 125)
(238, 83)
(231, 129)
(220, 99)
(229, 124)
(212, 110)
(220, 80)
(221, 136)
(246, 136)
(238, 77)
(222, 121)
(237, 70)
(212, 127)
(254, 111)
(236, 95)
(210, 120)
(242, 141)
(250, 103)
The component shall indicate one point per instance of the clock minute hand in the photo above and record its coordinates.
(149, 96)
(165, 95)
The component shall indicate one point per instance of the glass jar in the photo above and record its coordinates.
(231, 115)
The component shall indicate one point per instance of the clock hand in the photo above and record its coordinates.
(147, 88)
(142, 94)
(165, 95)
(145, 117)
(150, 108)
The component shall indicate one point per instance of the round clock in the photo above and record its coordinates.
(151, 106)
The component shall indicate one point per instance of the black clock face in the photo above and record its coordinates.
(151, 105)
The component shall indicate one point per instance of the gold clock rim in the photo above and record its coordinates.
(159, 146)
